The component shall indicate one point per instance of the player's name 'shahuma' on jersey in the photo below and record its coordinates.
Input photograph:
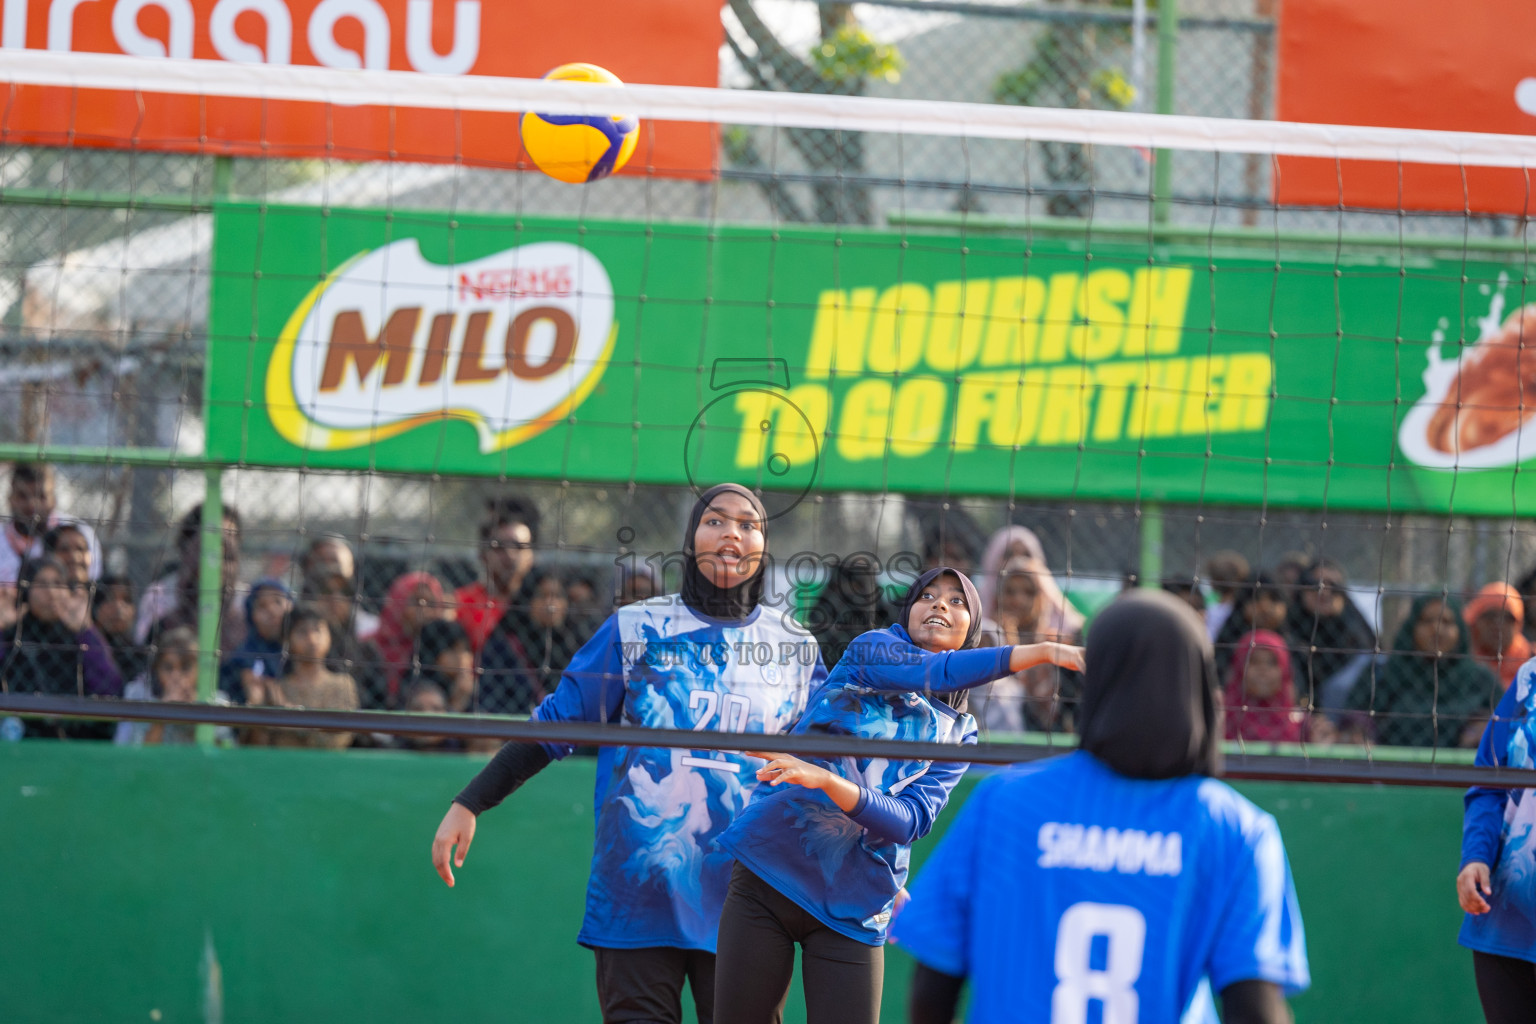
(1128, 851)
(1009, 361)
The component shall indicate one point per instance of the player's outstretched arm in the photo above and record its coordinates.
(934, 997)
(452, 840)
(1065, 656)
(1254, 1002)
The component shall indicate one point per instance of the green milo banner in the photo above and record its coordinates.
(799, 358)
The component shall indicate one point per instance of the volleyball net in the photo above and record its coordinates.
(329, 337)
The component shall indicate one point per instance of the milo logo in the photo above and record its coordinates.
(510, 343)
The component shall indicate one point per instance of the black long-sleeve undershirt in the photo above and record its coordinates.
(513, 765)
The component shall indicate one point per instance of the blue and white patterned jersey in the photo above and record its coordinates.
(1063, 886)
(827, 861)
(658, 877)
(1500, 828)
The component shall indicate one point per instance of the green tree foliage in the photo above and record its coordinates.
(843, 62)
(1073, 64)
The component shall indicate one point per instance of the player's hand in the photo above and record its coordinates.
(1471, 886)
(1047, 653)
(783, 768)
(452, 840)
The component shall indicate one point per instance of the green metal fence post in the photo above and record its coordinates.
(1167, 57)
(1150, 572)
(210, 593)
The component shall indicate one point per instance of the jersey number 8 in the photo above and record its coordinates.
(1077, 982)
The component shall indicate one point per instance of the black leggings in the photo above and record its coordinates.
(1507, 988)
(759, 928)
(645, 986)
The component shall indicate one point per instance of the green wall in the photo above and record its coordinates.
(298, 884)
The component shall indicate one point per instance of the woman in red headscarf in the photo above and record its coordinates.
(1261, 690)
(414, 599)
(1493, 619)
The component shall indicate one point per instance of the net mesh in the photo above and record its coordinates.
(918, 329)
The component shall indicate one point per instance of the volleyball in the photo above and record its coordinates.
(580, 148)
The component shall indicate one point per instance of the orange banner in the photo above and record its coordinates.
(1408, 64)
(668, 42)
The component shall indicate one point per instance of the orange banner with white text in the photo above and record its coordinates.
(1467, 66)
(667, 42)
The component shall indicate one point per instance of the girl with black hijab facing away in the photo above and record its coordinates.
(820, 862)
(685, 661)
(1124, 873)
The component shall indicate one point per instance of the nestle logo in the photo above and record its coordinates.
(517, 283)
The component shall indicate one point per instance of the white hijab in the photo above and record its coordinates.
(1014, 543)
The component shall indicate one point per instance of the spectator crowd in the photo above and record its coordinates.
(1298, 658)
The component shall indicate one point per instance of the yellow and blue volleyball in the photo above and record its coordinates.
(580, 148)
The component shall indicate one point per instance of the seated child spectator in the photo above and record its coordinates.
(445, 659)
(46, 652)
(306, 684)
(334, 595)
(172, 676)
(1261, 691)
(113, 609)
(260, 656)
(425, 698)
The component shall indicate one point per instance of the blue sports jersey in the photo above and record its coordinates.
(1500, 828)
(845, 869)
(1063, 885)
(658, 877)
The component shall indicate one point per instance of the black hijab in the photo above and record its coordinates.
(1325, 644)
(1149, 706)
(730, 604)
(959, 698)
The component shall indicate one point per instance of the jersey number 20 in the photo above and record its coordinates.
(733, 717)
(1124, 931)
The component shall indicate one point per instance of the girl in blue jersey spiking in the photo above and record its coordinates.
(1123, 876)
(820, 861)
(1497, 883)
(694, 660)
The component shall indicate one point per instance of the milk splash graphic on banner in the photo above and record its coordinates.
(1477, 409)
(510, 343)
